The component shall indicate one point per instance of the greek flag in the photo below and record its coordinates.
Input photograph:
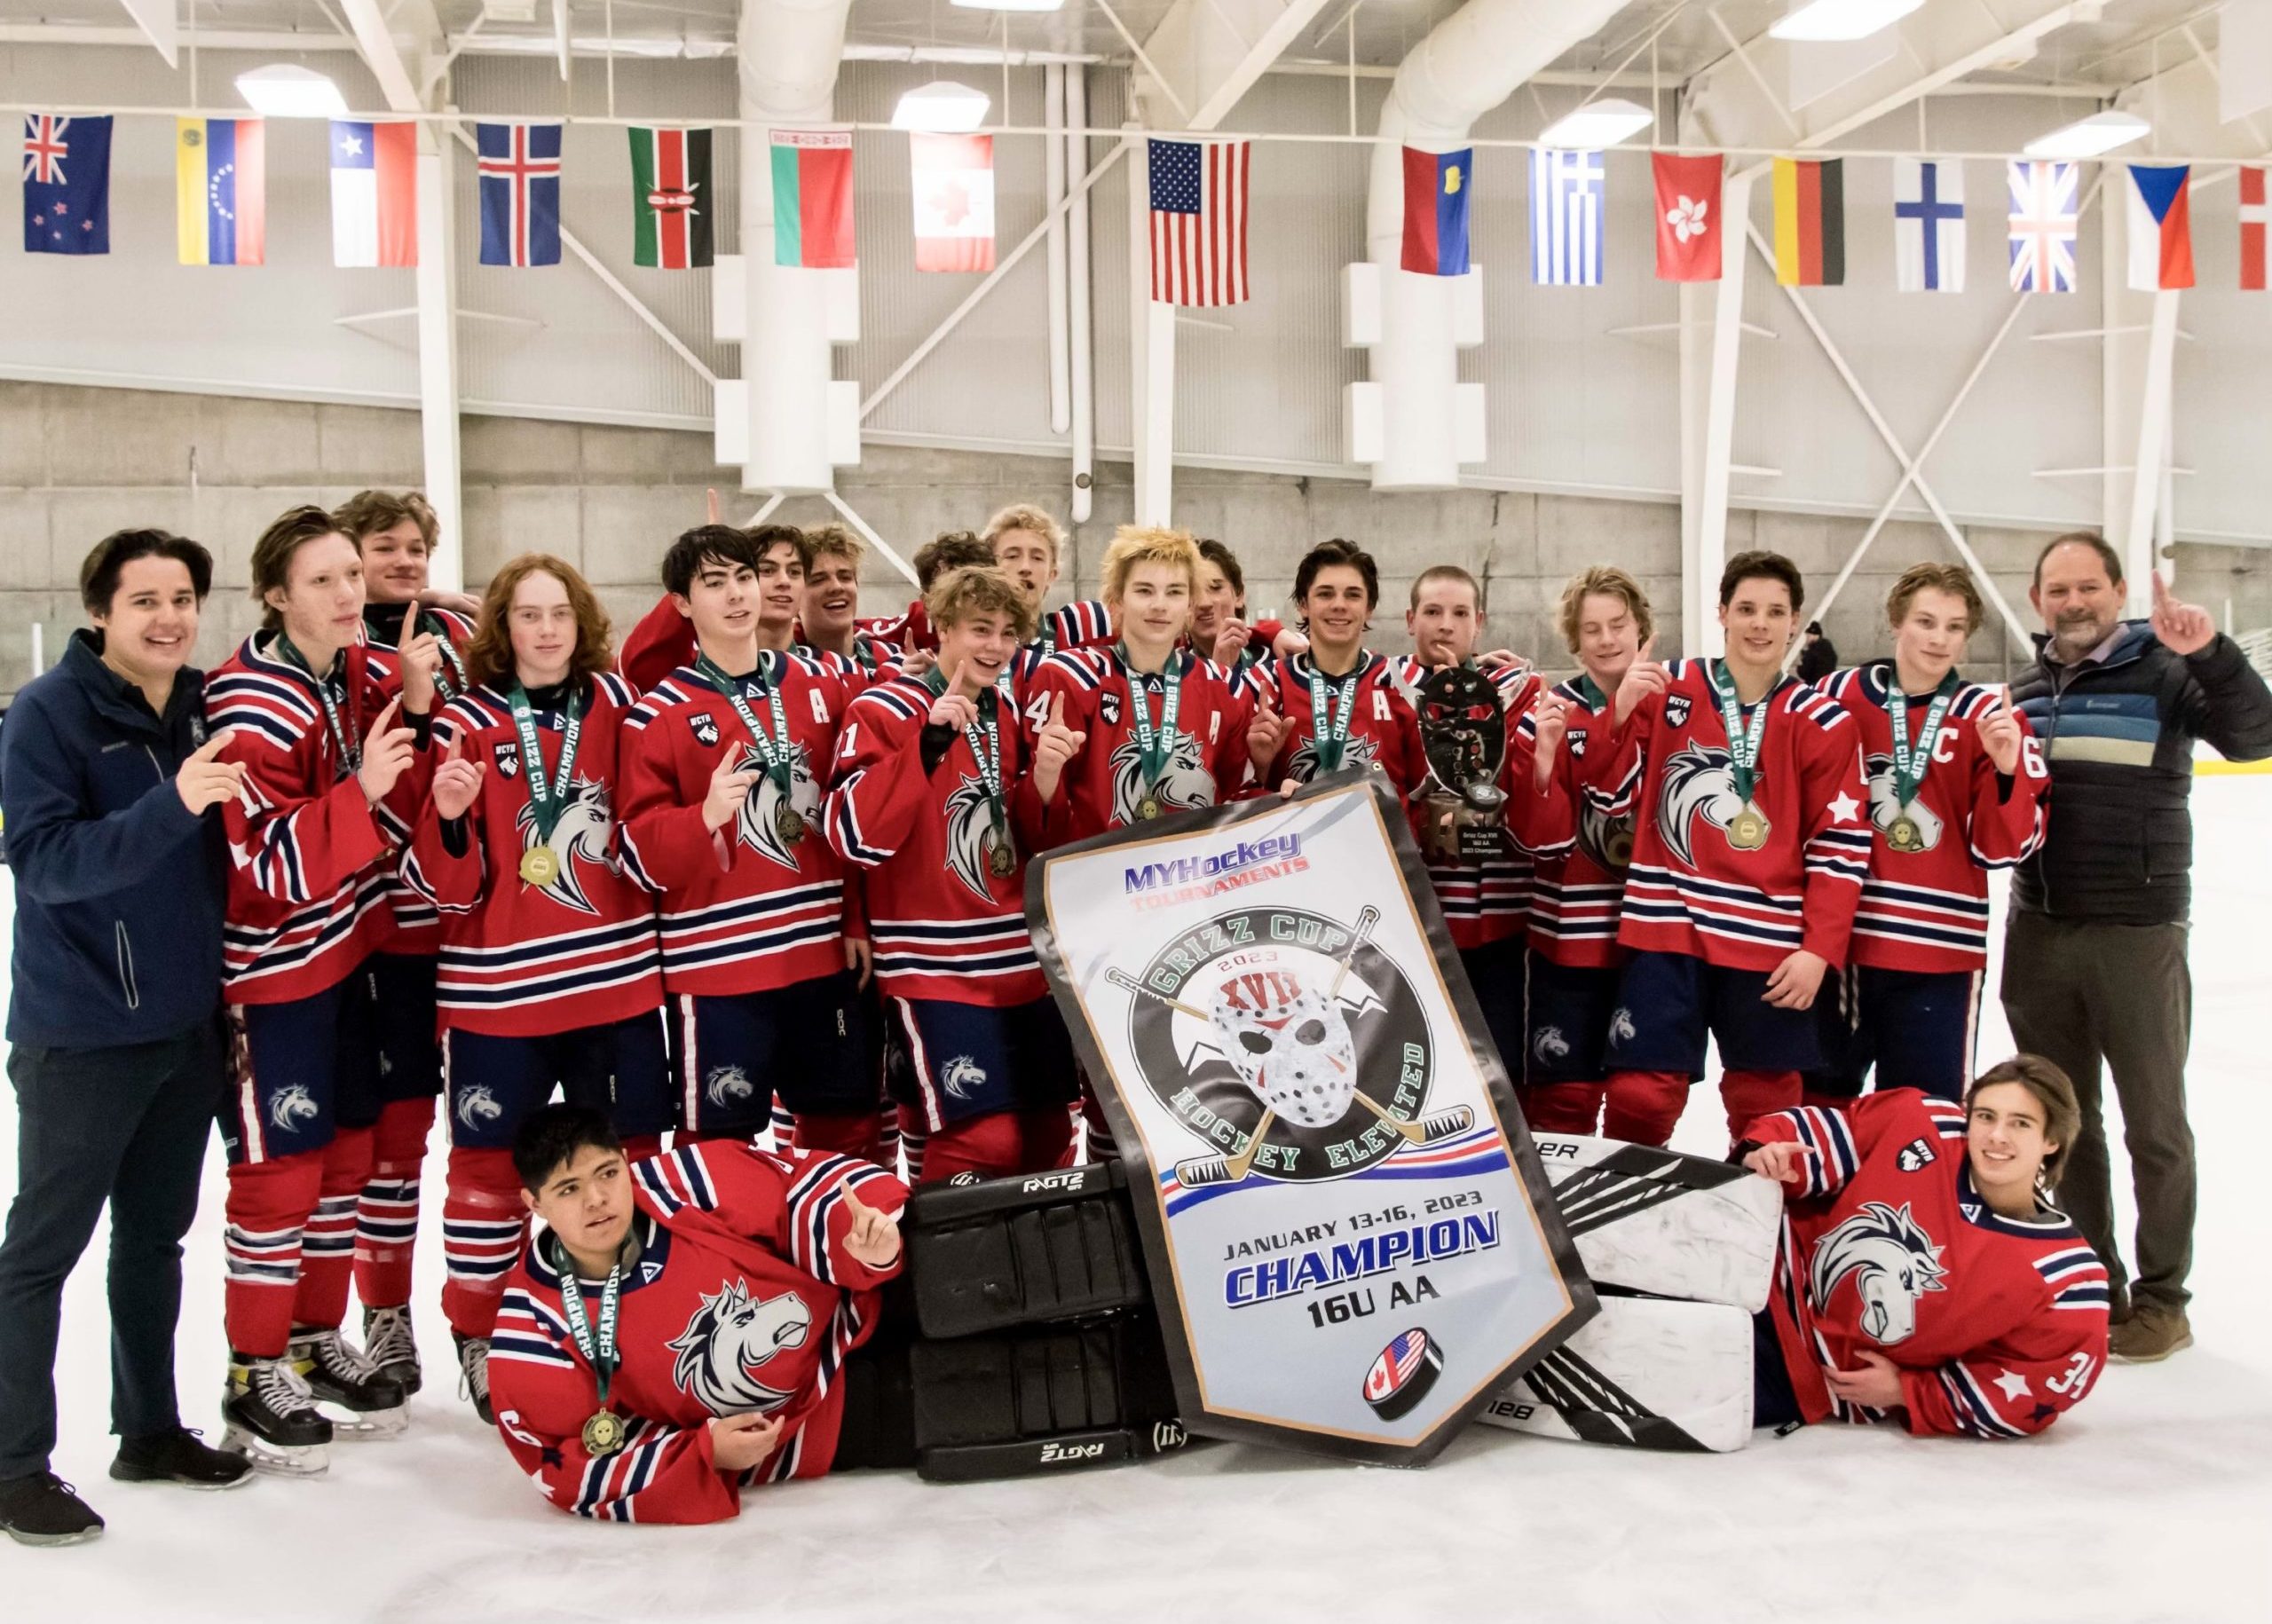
(1565, 218)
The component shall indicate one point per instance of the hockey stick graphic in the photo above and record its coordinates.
(1428, 1130)
(1204, 1169)
(1367, 918)
(1121, 978)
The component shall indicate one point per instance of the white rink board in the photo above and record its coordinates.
(2151, 1501)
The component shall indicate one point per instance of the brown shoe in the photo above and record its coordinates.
(2149, 1334)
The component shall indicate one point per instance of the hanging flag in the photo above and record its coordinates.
(672, 199)
(67, 185)
(2252, 229)
(519, 169)
(1811, 222)
(953, 191)
(1198, 196)
(1927, 225)
(1688, 217)
(2161, 226)
(1566, 216)
(812, 199)
(2046, 199)
(1437, 186)
(374, 194)
(220, 188)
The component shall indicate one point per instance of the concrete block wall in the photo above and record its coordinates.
(77, 463)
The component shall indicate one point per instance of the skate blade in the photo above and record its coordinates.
(277, 1460)
(364, 1426)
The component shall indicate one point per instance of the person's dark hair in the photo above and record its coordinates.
(952, 549)
(271, 554)
(1761, 566)
(1215, 553)
(551, 1135)
(2091, 539)
(2062, 1115)
(706, 544)
(764, 538)
(1326, 555)
(100, 572)
(1814, 628)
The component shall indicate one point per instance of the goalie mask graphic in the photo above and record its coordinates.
(1288, 1044)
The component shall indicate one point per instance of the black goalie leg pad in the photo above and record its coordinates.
(1046, 1400)
(1027, 1250)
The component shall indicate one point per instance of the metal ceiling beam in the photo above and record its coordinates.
(1205, 54)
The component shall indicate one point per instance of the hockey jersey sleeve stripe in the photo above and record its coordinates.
(844, 825)
(652, 1179)
(1973, 1410)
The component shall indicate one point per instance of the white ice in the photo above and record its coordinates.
(2153, 1501)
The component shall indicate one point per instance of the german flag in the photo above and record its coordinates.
(1809, 223)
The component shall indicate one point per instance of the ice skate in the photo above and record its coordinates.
(338, 1373)
(473, 1374)
(269, 1416)
(392, 1346)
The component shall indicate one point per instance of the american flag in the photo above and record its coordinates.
(1396, 1364)
(2046, 199)
(519, 178)
(1198, 192)
(1566, 215)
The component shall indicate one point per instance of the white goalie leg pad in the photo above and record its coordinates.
(1672, 1226)
(1644, 1372)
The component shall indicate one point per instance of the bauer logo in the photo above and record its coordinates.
(1402, 1374)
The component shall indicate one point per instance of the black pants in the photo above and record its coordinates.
(127, 1126)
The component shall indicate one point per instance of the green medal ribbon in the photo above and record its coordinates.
(1911, 766)
(1743, 743)
(547, 799)
(1590, 693)
(598, 1351)
(775, 752)
(988, 754)
(1329, 731)
(1153, 748)
(349, 743)
(452, 683)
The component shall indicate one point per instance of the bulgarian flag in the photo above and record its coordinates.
(812, 199)
(672, 198)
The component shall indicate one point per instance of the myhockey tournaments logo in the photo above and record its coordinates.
(1289, 1043)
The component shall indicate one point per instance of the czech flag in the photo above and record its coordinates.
(374, 193)
(221, 187)
(2161, 227)
(1437, 186)
(812, 199)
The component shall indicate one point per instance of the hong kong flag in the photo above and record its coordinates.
(1688, 217)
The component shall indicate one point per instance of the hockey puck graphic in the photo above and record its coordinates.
(1403, 1373)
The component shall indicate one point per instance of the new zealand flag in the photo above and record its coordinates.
(67, 185)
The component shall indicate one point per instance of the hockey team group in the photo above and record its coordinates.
(747, 895)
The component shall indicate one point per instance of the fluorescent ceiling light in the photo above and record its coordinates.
(1010, 5)
(286, 90)
(1598, 123)
(2101, 132)
(1841, 20)
(942, 105)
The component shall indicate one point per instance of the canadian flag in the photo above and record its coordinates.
(1688, 217)
(2252, 229)
(954, 202)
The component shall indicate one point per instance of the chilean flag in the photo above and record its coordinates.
(1437, 186)
(374, 193)
(2161, 227)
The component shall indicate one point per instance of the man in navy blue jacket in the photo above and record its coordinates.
(108, 786)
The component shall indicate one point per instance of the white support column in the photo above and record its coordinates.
(438, 353)
(2138, 558)
(1151, 358)
(1083, 338)
(1052, 153)
(1705, 535)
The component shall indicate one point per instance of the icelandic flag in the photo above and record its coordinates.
(1565, 217)
(520, 194)
(2161, 226)
(67, 185)
(1437, 186)
(220, 191)
(1927, 225)
(374, 193)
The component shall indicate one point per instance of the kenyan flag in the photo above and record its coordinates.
(672, 197)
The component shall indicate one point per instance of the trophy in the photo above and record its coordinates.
(1464, 733)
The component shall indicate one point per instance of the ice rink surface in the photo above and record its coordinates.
(2152, 1502)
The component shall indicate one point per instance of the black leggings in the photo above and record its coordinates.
(1774, 1403)
(878, 1425)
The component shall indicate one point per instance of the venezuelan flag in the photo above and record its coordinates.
(221, 187)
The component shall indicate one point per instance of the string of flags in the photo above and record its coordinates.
(1198, 194)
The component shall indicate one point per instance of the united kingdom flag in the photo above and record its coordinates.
(2046, 200)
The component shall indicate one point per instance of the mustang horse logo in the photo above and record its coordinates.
(1184, 784)
(1699, 781)
(585, 825)
(730, 1336)
(1884, 808)
(759, 825)
(1894, 1261)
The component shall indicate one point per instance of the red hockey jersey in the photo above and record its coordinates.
(1102, 786)
(1689, 889)
(520, 960)
(1927, 909)
(742, 1300)
(1488, 901)
(1385, 732)
(417, 927)
(312, 859)
(1084, 624)
(1578, 893)
(1998, 1324)
(872, 660)
(747, 909)
(942, 923)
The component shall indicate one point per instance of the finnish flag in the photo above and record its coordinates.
(1927, 225)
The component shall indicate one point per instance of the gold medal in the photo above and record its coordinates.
(1618, 847)
(1748, 831)
(787, 824)
(1001, 852)
(1905, 836)
(604, 1434)
(539, 865)
(1148, 808)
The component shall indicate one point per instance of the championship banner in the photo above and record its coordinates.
(1351, 1245)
